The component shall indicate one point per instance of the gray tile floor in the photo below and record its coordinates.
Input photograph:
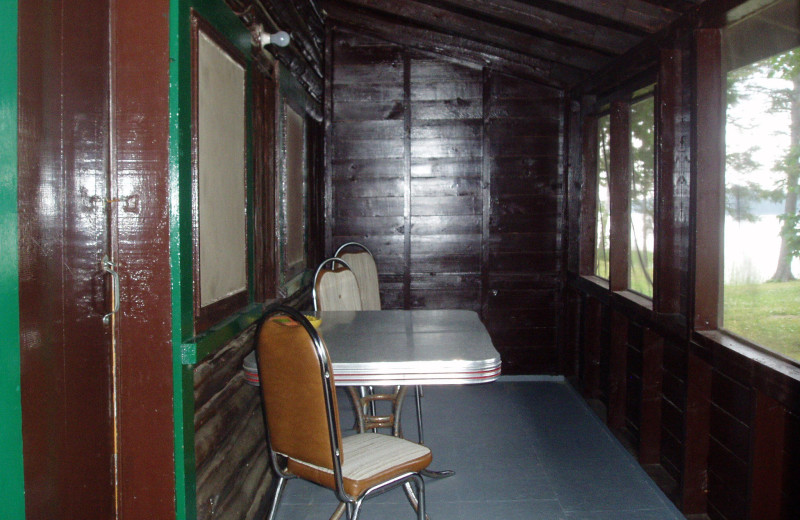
(521, 450)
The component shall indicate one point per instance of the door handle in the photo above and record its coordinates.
(109, 267)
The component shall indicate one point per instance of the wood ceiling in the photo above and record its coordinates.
(557, 42)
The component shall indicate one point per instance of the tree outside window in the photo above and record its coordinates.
(762, 227)
(642, 193)
(603, 200)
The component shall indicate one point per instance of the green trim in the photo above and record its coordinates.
(187, 349)
(198, 348)
(12, 476)
(180, 260)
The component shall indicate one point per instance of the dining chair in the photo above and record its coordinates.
(338, 289)
(335, 288)
(303, 434)
(362, 263)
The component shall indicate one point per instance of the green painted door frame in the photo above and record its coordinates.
(188, 350)
(12, 487)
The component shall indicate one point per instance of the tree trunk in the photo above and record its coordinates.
(783, 273)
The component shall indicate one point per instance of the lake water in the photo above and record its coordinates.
(751, 250)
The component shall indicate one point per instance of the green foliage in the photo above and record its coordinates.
(790, 231)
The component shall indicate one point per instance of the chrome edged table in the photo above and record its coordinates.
(416, 347)
(411, 348)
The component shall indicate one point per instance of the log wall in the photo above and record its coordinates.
(451, 175)
(232, 465)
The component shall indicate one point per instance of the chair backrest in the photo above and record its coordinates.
(361, 261)
(336, 289)
(300, 405)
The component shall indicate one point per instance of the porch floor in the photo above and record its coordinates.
(521, 450)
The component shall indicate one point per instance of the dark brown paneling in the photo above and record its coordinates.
(264, 105)
(708, 178)
(591, 348)
(366, 154)
(766, 461)
(445, 152)
(522, 128)
(140, 98)
(790, 499)
(618, 372)
(452, 177)
(233, 476)
(651, 398)
(65, 349)
(618, 190)
(696, 450)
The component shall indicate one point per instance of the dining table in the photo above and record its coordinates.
(409, 347)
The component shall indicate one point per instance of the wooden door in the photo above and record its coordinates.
(66, 360)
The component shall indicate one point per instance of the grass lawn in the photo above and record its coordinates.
(767, 313)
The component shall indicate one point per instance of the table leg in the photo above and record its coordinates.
(427, 472)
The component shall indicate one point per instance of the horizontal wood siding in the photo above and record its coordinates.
(446, 106)
(452, 177)
(367, 155)
(523, 125)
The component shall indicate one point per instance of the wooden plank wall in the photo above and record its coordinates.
(366, 164)
(715, 426)
(524, 301)
(445, 180)
(451, 176)
(230, 449)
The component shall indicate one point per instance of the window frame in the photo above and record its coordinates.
(708, 178)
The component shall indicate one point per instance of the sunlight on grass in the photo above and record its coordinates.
(767, 314)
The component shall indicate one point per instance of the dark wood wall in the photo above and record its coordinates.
(714, 420)
(451, 175)
(231, 457)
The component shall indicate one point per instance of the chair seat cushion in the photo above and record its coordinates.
(369, 459)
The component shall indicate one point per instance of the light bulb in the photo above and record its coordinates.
(279, 39)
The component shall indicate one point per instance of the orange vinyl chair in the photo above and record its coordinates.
(302, 422)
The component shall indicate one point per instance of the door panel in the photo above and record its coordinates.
(65, 349)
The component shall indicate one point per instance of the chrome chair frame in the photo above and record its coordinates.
(352, 504)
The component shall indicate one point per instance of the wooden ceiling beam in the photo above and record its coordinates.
(516, 15)
(477, 30)
(635, 14)
(461, 50)
(679, 6)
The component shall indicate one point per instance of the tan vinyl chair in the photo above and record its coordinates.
(335, 288)
(302, 422)
(362, 263)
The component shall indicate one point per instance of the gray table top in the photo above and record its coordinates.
(408, 347)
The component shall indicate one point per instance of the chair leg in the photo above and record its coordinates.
(421, 515)
(340, 509)
(400, 395)
(418, 402)
(276, 498)
(417, 499)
